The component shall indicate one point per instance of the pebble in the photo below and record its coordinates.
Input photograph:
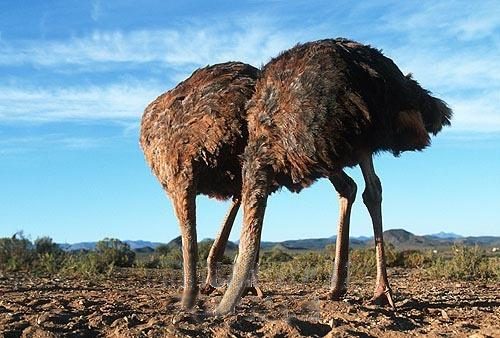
(351, 310)
(445, 315)
(477, 335)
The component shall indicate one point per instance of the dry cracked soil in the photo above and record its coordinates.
(145, 303)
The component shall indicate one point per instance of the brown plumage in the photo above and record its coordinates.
(319, 107)
(192, 137)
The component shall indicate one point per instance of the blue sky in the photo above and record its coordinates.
(75, 77)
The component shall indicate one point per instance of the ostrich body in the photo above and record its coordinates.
(192, 137)
(318, 108)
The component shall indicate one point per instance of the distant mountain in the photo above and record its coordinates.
(301, 244)
(490, 241)
(363, 238)
(401, 239)
(142, 244)
(176, 243)
(405, 240)
(445, 235)
(89, 246)
(82, 246)
(315, 243)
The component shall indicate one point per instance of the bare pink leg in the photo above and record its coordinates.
(255, 192)
(372, 197)
(218, 248)
(253, 287)
(346, 189)
(185, 209)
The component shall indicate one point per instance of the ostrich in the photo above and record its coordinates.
(192, 137)
(318, 108)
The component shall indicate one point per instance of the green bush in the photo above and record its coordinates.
(362, 262)
(149, 262)
(114, 252)
(275, 255)
(16, 253)
(172, 260)
(86, 264)
(45, 245)
(203, 251)
(162, 249)
(413, 259)
(278, 265)
(306, 267)
(467, 263)
(49, 263)
(49, 256)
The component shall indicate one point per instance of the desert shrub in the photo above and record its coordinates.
(275, 255)
(162, 249)
(362, 262)
(45, 245)
(16, 253)
(151, 261)
(467, 263)
(86, 265)
(494, 263)
(392, 257)
(112, 251)
(330, 249)
(49, 256)
(108, 254)
(49, 263)
(172, 260)
(227, 260)
(318, 266)
(413, 259)
(306, 267)
(203, 251)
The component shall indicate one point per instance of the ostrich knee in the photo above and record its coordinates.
(372, 195)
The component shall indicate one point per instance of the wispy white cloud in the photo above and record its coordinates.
(24, 144)
(480, 113)
(451, 47)
(180, 50)
(112, 102)
(439, 20)
(254, 42)
(96, 10)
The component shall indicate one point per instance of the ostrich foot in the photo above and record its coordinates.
(383, 296)
(189, 298)
(254, 291)
(207, 289)
(336, 293)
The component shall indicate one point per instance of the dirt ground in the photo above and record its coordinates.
(146, 304)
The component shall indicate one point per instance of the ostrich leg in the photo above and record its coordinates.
(218, 248)
(253, 287)
(372, 197)
(346, 189)
(185, 209)
(255, 192)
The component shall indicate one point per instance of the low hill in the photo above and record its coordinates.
(401, 239)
